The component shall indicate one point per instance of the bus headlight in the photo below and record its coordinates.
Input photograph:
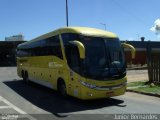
(114, 87)
(87, 84)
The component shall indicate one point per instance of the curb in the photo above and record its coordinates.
(132, 88)
(137, 68)
(150, 94)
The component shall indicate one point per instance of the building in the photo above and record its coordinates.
(143, 48)
(8, 49)
(8, 52)
(19, 37)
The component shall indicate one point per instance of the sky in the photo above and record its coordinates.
(129, 19)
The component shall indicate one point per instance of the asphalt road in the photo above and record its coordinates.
(36, 102)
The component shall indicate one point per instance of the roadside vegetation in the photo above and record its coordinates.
(144, 87)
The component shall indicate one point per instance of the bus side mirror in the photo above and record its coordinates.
(133, 50)
(81, 48)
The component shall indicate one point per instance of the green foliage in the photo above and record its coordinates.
(144, 86)
(134, 84)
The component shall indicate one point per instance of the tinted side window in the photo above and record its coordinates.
(69, 37)
(53, 46)
(48, 46)
(22, 53)
(72, 53)
(73, 59)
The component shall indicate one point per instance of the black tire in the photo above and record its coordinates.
(22, 75)
(25, 78)
(62, 88)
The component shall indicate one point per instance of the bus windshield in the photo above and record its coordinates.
(104, 56)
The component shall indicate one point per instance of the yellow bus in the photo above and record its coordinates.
(83, 62)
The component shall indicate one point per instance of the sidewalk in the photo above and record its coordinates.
(8, 73)
(137, 75)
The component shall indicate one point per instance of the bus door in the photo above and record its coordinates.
(73, 60)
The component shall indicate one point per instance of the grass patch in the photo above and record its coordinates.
(134, 84)
(143, 86)
(149, 89)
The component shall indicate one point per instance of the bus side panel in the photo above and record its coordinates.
(74, 87)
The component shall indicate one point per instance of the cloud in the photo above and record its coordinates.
(156, 27)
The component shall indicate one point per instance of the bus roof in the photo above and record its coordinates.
(79, 30)
(88, 31)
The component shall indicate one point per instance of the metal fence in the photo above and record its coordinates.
(154, 67)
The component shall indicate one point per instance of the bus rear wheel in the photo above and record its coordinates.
(62, 88)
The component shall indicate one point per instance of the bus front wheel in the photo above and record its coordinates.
(62, 88)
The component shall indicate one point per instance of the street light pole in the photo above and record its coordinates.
(67, 12)
(103, 25)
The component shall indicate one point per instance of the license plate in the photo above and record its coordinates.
(109, 94)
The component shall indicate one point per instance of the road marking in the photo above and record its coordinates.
(13, 106)
(10, 105)
(5, 107)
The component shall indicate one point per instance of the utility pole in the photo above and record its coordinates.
(67, 12)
